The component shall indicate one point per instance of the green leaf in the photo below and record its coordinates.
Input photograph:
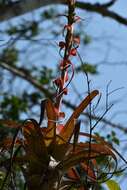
(113, 185)
(87, 39)
(48, 14)
(10, 55)
(87, 67)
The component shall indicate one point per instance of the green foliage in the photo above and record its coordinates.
(34, 29)
(46, 76)
(31, 98)
(48, 14)
(87, 39)
(12, 30)
(113, 185)
(27, 29)
(12, 107)
(89, 68)
(112, 138)
(10, 55)
(2, 175)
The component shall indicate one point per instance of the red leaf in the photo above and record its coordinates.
(61, 114)
(58, 82)
(10, 123)
(68, 130)
(34, 141)
(58, 113)
(7, 143)
(73, 174)
(59, 128)
(89, 171)
(66, 76)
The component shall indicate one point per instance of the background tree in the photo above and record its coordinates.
(23, 58)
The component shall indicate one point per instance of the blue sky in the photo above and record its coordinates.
(112, 49)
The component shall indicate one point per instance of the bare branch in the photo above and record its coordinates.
(24, 75)
(96, 118)
(100, 9)
(109, 4)
(22, 7)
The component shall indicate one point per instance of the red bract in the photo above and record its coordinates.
(62, 114)
(65, 91)
(59, 128)
(68, 27)
(65, 63)
(58, 113)
(73, 52)
(77, 18)
(58, 82)
(66, 77)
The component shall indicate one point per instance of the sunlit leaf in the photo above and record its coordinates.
(95, 148)
(101, 142)
(113, 185)
(68, 129)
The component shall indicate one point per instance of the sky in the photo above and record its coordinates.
(115, 49)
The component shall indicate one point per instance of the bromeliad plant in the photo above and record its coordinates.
(52, 158)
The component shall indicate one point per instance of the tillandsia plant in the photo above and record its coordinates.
(52, 157)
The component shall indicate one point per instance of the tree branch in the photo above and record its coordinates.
(27, 77)
(109, 4)
(25, 6)
(102, 10)
(21, 7)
